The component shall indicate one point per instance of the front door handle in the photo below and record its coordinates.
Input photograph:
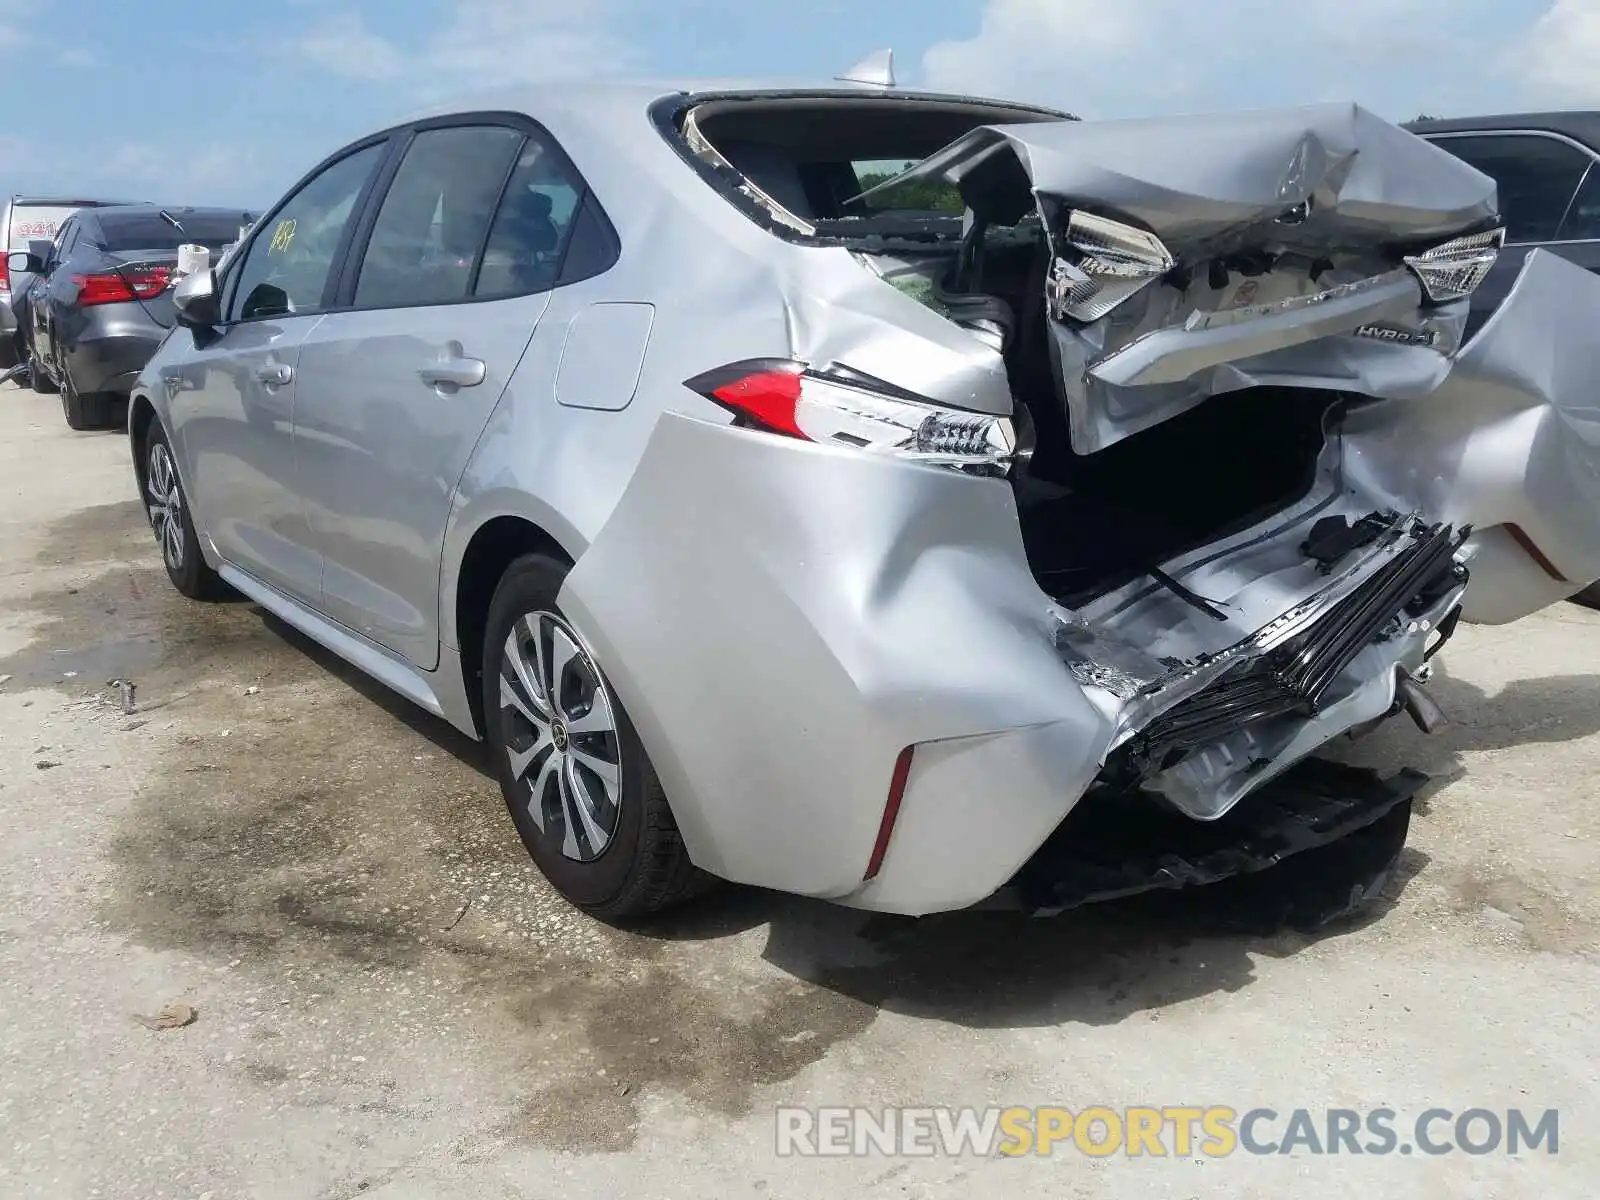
(275, 374)
(453, 370)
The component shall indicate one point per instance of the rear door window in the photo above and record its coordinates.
(1537, 176)
(430, 231)
(534, 225)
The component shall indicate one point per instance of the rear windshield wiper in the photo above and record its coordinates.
(173, 221)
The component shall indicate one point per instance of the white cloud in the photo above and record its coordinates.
(1131, 57)
(13, 16)
(485, 42)
(503, 41)
(343, 45)
(1558, 60)
(211, 172)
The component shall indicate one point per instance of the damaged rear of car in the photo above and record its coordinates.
(1108, 471)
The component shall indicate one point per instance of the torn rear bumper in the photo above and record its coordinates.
(1116, 844)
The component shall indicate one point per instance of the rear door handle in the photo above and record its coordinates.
(453, 370)
(275, 374)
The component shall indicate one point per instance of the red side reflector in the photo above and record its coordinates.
(891, 812)
(1520, 536)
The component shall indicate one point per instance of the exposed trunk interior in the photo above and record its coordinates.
(1096, 522)
(1092, 523)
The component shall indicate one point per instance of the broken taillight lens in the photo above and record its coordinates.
(786, 398)
(1103, 264)
(1455, 269)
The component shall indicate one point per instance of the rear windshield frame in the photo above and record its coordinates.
(671, 118)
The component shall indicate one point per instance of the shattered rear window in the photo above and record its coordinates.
(918, 195)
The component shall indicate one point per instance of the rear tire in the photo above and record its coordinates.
(38, 380)
(1589, 597)
(84, 412)
(170, 519)
(580, 788)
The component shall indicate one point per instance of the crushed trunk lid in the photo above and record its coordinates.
(1260, 234)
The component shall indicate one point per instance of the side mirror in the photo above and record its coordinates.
(21, 262)
(195, 300)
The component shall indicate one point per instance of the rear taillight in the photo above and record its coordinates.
(1102, 264)
(5, 273)
(1454, 270)
(117, 287)
(852, 410)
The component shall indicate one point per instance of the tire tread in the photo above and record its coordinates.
(662, 875)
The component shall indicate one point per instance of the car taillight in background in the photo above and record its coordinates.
(117, 287)
(5, 273)
(848, 409)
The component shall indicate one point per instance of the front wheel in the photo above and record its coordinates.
(168, 511)
(581, 790)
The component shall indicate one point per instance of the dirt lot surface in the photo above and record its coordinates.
(391, 1003)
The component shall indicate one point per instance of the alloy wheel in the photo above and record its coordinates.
(560, 732)
(166, 505)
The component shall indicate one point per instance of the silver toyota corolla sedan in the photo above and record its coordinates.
(907, 500)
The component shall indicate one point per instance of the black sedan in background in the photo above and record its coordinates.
(101, 301)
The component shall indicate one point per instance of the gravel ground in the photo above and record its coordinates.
(391, 1003)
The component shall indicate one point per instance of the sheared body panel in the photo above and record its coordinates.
(1511, 437)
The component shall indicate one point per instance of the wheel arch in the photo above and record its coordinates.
(493, 544)
(141, 416)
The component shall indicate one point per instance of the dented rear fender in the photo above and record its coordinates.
(782, 619)
(1509, 443)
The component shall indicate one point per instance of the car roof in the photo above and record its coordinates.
(1581, 125)
(593, 102)
(67, 202)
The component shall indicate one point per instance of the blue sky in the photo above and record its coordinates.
(202, 102)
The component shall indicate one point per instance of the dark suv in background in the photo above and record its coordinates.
(1548, 169)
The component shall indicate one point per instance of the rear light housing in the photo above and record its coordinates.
(118, 287)
(1456, 269)
(5, 272)
(845, 408)
(1103, 264)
